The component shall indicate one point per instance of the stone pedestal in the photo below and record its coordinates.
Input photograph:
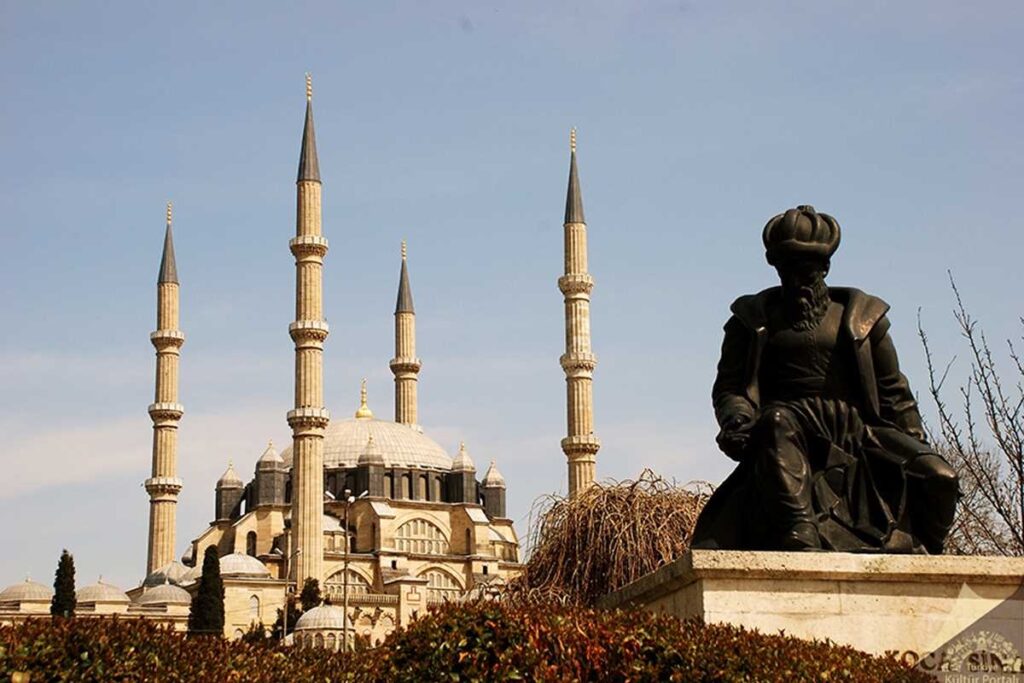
(911, 604)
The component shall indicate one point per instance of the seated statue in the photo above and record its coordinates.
(812, 405)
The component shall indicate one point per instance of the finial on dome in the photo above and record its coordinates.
(309, 87)
(270, 443)
(403, 250)
(364, 411)
(572, 140)
(168, 213)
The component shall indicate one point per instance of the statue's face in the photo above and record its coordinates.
(801, 279)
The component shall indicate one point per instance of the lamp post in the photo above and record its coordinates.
(344, 586)
(287, 572)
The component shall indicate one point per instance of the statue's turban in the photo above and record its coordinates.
(800, 233)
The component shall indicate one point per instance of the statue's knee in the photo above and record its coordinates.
(935, 471)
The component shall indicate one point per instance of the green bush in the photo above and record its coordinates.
(480, 642)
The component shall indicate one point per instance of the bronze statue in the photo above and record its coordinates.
(812, 404)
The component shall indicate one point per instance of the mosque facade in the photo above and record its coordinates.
(375, 510)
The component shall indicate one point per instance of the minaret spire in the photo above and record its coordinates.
(309, 165)
(168, 266)
(165, 411)
(309, 418)
(580, 445)
(405, 365)
(573, 199)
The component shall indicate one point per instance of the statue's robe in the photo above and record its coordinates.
(860, 435)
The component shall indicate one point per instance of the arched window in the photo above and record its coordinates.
(441, 585)
(335, 585)
(389, 485)
(332, 642)
(407, 486)
(421, 537)
(435, 481)
(250, 543)
(254, 608)
(421, 488)
(319, 637)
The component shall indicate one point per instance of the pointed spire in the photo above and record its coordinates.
(493, 478)
(404, 303)
(168, 268)
(364, 412)
(230, 478)
(462, 462)
(573, 199)
(309, 166)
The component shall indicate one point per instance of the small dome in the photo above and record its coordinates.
(240, 564)
(191, 576)
(172, 572)
(462, 462)
(493, 478)
(165, 594)
(27, 591)
(230, 478)
(371, 454)
(102, 592)
(322, 618)
(270, 458)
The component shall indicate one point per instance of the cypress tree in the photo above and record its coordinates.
(310, 595)
(64, 602)
(206, 616)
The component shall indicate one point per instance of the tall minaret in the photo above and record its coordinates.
(309, 417)
(405, 365)
(578, 362)
(163, 487)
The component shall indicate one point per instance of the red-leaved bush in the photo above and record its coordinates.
(479, 642)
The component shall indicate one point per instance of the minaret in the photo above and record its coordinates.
(309, 418)
(163, 486)
(578, 362)
(405, 365)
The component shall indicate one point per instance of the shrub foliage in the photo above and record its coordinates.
(63, 602)
(486, 641)
(206, 615)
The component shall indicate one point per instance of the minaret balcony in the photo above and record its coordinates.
(402, 366)
(578, 364)
(309, 330)
(576, 284)
(308, 245)
(166, 413)
(167, 339)
(163, 488)
(308, 419)
(580, 445)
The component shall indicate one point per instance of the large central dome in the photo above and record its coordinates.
(401, 445)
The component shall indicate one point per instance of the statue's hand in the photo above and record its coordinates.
(735, 435)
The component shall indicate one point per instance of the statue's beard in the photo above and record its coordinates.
(806, 306)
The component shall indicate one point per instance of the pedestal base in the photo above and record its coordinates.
(912, 604)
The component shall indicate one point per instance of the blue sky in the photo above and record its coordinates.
(446, 123)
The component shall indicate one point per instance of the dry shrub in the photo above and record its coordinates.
(606, 537)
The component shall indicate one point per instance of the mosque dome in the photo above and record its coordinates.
(165, 594)
(172, 572)
(102, 592)
(322, 618)
(240, 564)
(26, 591)
(399, 444)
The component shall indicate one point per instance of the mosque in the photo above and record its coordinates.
(375, 510)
